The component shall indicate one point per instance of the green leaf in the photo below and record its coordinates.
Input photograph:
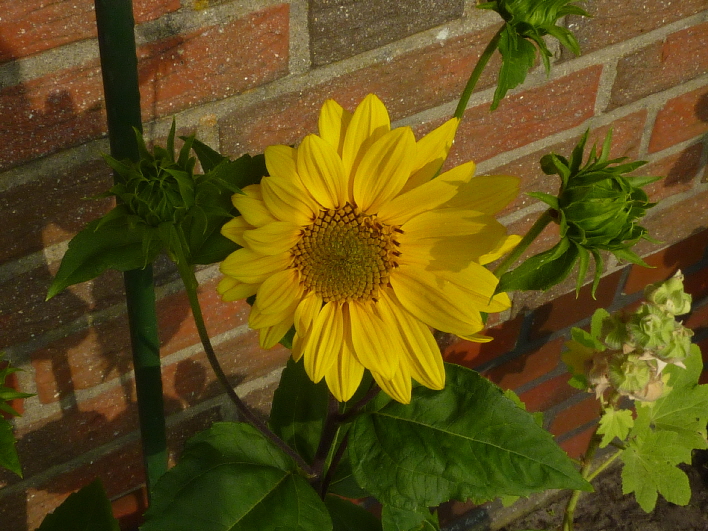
(101, 246)
(231, 478)
(208, 158)
(8, 454)
(348, 516)
(86, 510)
(615, 423)
(518, 57)
(397, 519)
(466, 441)
(649, 470)
(299, 409)
(542, 271)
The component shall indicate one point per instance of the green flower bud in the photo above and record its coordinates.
(669, 295)
(650, 328)
(629, 374)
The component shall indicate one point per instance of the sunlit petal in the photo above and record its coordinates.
(369, 122)
(431, 152)
(333, 124)
(321, 171)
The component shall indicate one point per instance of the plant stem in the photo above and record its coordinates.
(190, 284)
(119, 68)
(585, 473)
(604, 465)
(530, 236)
(476, 73)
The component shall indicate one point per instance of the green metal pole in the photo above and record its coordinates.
(119, 65)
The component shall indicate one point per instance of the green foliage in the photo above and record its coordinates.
(231, 477)
(597, 208)
(299, 409)
(348, 516)
(466, 441)
(527, 23)
(615, 423)
(163, 206)
(396, 519)
(8, 454)
(86, 510)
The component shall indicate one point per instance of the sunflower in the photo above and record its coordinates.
(353, 241)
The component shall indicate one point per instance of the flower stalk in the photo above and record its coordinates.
(527, 240)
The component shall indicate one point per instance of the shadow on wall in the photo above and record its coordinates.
(44, 212)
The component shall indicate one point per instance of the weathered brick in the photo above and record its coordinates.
(470, 354)
(548, 394)
(129, 508)
(65, 209)
(680, 57)
(528, 366)
(680, 119)
(666, 262)
(626, 136)
(407, 84)
(189, 69)
(525, 117)
(612, 22)
(342, 28)
(575, 416)
(577, 445)
(679, 171)
(33, 26)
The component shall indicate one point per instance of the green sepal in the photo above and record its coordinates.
(117, 244)
(86, 510)
(299, 410)
(348, 516)
(550, 200)
(542, 271)
(208, 157)
(518, 57)
(420, 519)
(465, 441)
(232, 478)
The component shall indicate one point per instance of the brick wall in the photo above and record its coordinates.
(248, 74)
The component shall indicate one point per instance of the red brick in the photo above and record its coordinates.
(698, 318)
(10, 381)
(190, 69)
(681, 118)
(697, 284)
(33, 26)
(575, 416)
(527, 367)
(612, 22)
(679, 171)
(129, 508)
(525, 117)
(569, 309)
(577, 445)
(548, 394)
(407, 84)
(471, 354)
(680, 57)
(666, 262)
(626, 136)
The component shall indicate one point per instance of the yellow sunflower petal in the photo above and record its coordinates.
(250, 205)
(431, 152)
(425, 197)
(280, 292)
(435, 301)
(321, 171)
(373, 344)
(369, 122)
(231, 289)
(444, 222)
(333, 123)
(487, 193)
(504, 246)
(253, 268)
(478, 283)
(421, 351)
(384, 169)
(324, 341)
(234, 228)
(288, 201)
(344, 375)
(269, 336)
(273, 238)
(281, 162)
(399, 387)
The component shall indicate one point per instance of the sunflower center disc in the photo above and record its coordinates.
(345, 255)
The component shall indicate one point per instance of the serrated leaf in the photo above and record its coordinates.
(542, 271)
(101, 246)
(208, 157)
(8, 454)
(615, 423)
(397, 519)
(348, 516)
(231, 478)
(466, 441)
(86, 510)
(299, 410)
(518, 57)
(649, 470)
